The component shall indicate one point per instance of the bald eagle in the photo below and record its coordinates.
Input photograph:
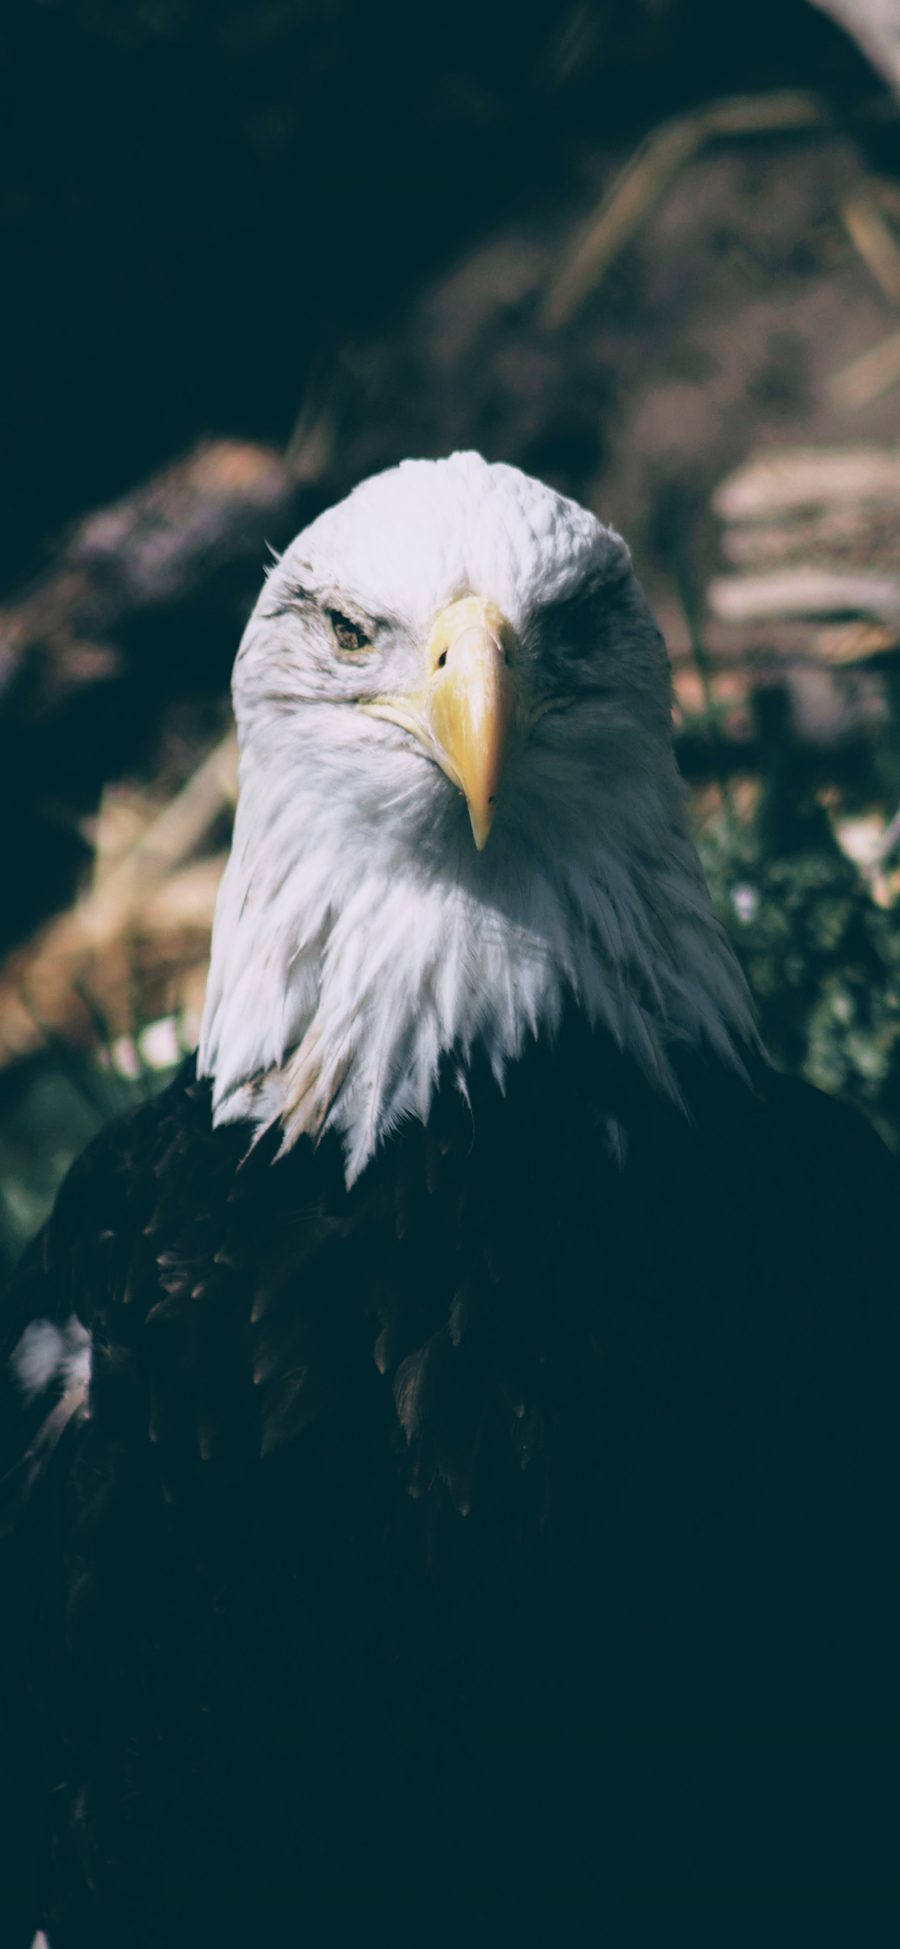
(449, 1436)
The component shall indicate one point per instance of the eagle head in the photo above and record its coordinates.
(459, 811)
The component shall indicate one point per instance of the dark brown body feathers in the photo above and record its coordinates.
(517, 1522)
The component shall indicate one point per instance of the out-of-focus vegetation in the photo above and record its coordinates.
(48, 1117)
(648, 251)
(821, 954)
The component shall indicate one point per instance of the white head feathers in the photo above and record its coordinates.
(359, 935)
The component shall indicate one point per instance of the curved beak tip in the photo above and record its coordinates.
(481, 819)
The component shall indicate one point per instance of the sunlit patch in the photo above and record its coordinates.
(47, 1353)
(158, 1046)
(745, 901)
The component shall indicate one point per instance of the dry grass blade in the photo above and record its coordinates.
(89, 963)
(840, 644)
(176, 832)
(873, 237)
(144, 923)
(889, 842)
(647, 176)
(629, 202)
(866, 378)
(311, 443)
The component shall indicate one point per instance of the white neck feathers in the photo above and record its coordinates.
(350, 958)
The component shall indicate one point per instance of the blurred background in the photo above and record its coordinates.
(255, 249)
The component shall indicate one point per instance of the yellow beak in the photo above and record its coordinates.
(464, 712)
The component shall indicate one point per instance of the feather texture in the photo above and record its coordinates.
(450, 1441)
(408, 1514)
(359, 937)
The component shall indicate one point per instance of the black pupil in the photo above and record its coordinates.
(348, 634)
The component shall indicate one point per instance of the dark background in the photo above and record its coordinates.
(201, 200)
(337, 233)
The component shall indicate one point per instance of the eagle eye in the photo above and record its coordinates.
(347, 634)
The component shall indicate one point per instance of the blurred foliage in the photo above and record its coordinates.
(821, 955)
(50, 1108)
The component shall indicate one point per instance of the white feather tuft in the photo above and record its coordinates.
(47, 1353)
